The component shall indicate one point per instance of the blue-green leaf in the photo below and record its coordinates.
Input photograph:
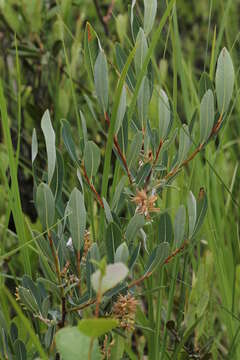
(121, 110)
(49, 136)
(165, 229)
(179, 225)
(141, 52)
(77, 218)
(184, 143)
(143, 101)
(71, 342)
(101, 80)
(90, 49)
(135, 224)
(164, 114)
(45, 204)
(68, 140)
(206, 116)
(96, 327)
(192, 213)
(34, 146)
(20, 350)
(157, 257)
(150, 10)
(115, 273)
(224, 80)
(122, 253)
(92, 158)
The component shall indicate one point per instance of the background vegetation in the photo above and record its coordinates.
(42, 67)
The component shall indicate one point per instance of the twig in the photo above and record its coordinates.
(64, 313)
(99, 14)
(98, 197)
(154, 163)
(98, 301)
(177, 168)
(158, 151)
(198, 149)
(217, 126)
(135, 282)
(107, 17)
(166, 261)
(115, 140)
(84, 306)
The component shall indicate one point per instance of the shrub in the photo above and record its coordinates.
(111, 233)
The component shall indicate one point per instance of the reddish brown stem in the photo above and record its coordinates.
(107, 17)
(64, 313)
(99, 14)
(154, 163)
(167, 260)
(177, 168)
(115, 140)
(98, 197)
(133, 283)
(199, 148)
(82, 307)
(98, 301)
(216, 126)
(158, 152)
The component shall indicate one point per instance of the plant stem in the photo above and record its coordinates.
(98, 197)
(99, 14)
(116, 143)
(135, 282)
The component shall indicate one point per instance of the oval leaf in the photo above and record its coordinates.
(192, 213)
(134, 225)
(165, 229)
(141, 52)
(101, 80)
(164, 115)
(91, 159)
(143, 101)
(96, 327)
(34, 146)
(77, 218)
(206, 116)
(150, 10)
(121, 110)
(179, 225)
(184, 144)
(68, 140)
(157, 257)
(49, 136)
(71, 342)
(115, 273)
(45, 205)
(90, 49)
(20, 350)
(122, 253)
(224, 80)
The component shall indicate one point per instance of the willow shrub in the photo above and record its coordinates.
(94, 251)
